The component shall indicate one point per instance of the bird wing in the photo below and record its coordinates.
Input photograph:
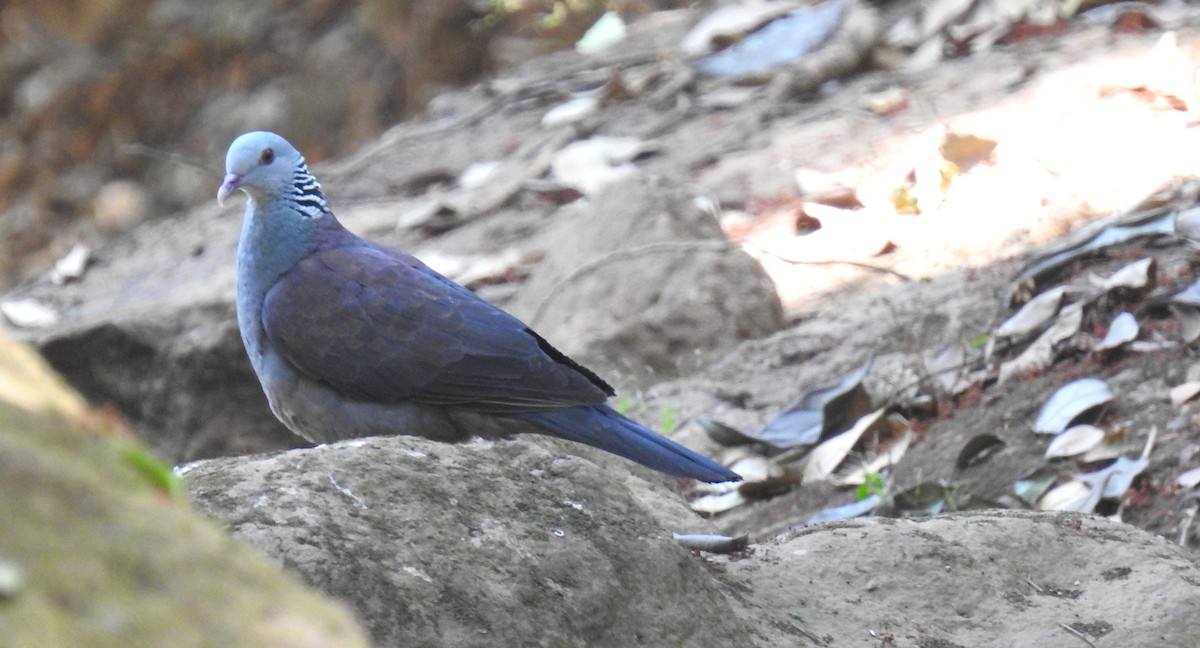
(378, 325)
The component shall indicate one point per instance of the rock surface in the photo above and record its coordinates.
(665, 292)
(480, 544)
(509, 544)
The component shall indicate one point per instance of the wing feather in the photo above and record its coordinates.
(378, 325)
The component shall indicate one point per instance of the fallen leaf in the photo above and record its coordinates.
(1189, 478)
(1123, 330)
(28, 313)
(1075, 440)
(607, 31)
(977, 450)
(1033, 485)
(714, 504)
(846, 511)
(819, 412)
(783, 40)
(721, 544)
(729, 24)
(1138, 277)
(1042, 351)
(571, 111)
(1181, 394)
(1034, 315)
(882, 461)
(1071, 400)
(71, 266)
(826, 457)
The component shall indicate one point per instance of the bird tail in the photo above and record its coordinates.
(600, 426)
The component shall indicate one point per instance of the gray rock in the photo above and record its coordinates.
(669, 292)
(478, 544)
(994, 578)
(508, 544)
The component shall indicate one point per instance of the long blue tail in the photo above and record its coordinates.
(602, 427)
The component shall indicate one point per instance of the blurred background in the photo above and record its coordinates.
(95, 91)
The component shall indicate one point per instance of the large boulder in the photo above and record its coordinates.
(642, 282)
(480, 544)
(506, 543)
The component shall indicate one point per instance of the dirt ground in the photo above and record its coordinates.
(1081, 133)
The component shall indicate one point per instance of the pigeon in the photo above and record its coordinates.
(353, 339)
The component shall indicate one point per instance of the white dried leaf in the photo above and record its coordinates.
(730, 23)
(1189, 322)
(1181, 394)
(1124, 329)
(72, 265)
(28, 313)
(1187, 223)
(827, 456)
(1041, 352)
(571, 111)
(846, 511)
(587, 165)
(756, 468)
(889, 457)
(1189, 479)
(478, 174)
(1102, 452)
(1076, 440)
(1071, 400)
(1134, 276)
(1034, 315)
(607, 31)
(1074, 495)
(713, 504)
(1117, 478)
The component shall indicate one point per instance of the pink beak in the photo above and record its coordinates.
(230, 184)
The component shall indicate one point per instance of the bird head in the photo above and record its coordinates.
(261, 164)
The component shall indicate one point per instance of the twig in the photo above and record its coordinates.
(1077, 633)
(1034, 585)
(856, 264)
(627, 253)
(174, 158)
(1186, 526)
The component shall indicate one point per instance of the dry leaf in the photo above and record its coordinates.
(1069, 402)
(1123, 330)
(1034, 315)
(889, 457)
(1071, 496)
(1189, 479)
(28, 313)
(1076, 440)
(1041, 352)
(714, 504)
(1137, 276)
(826, 457)
(1181, 394)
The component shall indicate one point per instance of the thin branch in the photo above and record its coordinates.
(174, 158)
(856, 264)
(1082, 637)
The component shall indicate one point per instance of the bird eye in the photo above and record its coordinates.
(268, 156)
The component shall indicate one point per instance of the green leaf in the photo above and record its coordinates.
(159, 473)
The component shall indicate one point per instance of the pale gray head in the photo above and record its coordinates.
(267, 168)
